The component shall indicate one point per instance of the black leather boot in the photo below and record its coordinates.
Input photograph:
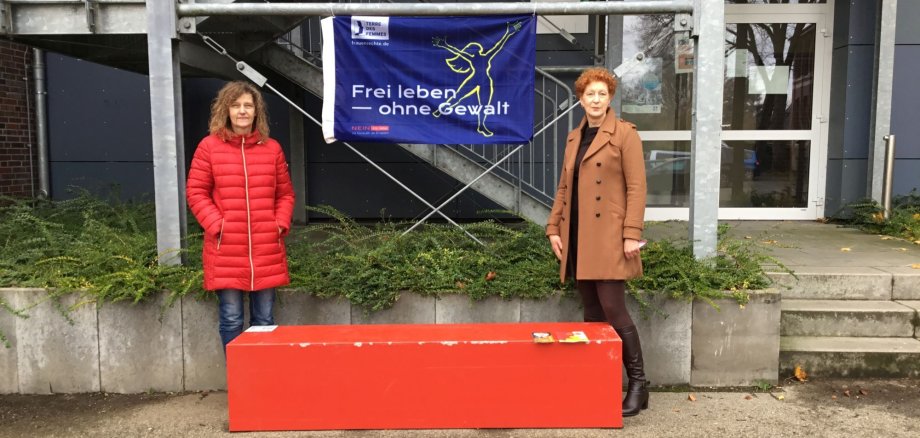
(637, 393)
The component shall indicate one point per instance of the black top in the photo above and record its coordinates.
(587, 136)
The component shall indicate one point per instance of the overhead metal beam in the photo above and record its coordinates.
(435, 9)
(706, 136)
(882, 84)
(75, 17)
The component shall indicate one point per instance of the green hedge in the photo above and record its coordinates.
(106, 250)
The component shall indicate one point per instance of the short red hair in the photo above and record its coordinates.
(595, 74)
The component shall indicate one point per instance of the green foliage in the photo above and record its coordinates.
(868, 215)
(671, 270)
(371, 265)
(106, 251)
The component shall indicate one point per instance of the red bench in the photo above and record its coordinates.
(423, 376)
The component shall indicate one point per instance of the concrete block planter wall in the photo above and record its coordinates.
(735, 345)
(123, 347)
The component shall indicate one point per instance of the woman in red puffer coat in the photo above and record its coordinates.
(240, 191)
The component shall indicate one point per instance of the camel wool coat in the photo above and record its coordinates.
(611, 201)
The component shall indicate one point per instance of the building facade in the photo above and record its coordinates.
(797, 116)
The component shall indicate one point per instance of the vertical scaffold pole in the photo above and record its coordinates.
(165, 125)
(706, 137)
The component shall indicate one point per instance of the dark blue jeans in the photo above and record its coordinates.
(230, 311)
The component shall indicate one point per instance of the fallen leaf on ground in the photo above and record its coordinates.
(844, 249)
(748, 397)
(676, 410)
(833, 397)
(490, 276)
(917, 242)
(748, 237)
(800, 374)
(846, 392)
(915, 266)
(902, 249)
(886, 237)
(779, 396)
(769, 242)
(460, 285)
(863, 391)
(691, 397)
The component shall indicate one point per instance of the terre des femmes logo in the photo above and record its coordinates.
(370, 28)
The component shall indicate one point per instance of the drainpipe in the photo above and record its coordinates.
(41, 116)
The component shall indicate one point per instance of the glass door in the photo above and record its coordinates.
(776, 93)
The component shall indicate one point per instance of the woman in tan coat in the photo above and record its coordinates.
(595, 226)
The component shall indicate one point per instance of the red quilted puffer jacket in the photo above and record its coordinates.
(241, 193)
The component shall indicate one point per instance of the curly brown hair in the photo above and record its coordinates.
(219, 123)
(595, 74)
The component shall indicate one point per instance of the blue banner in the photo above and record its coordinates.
(451, 80)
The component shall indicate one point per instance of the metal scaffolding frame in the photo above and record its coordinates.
(164, 17)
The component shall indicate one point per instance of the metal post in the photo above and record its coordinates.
(889, 173)
(613, 52)
(164, 108)
(706, 137)
(298, 160)
(882, 80)
(41, 122)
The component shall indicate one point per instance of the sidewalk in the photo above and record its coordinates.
(817, 247)
(889, 408)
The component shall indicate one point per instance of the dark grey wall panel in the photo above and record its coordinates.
(129, 180)
(362, 191)
(837, 120)
(96, 113)
(858, 105)
(905, 100)
(841, 36)
(861, 23)
(908, 32)
(852, 180)
(906, 176)
(832, 189)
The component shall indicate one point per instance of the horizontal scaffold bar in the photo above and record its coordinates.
(437, 9)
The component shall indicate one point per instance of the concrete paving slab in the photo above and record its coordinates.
(140, 346)
(57, 355)
(832, 282)
(555, 308)
(203, 355)
(665, 339)
(804, 243)
(410, 308)
(851, 356)
(736, 345)
(846, 318)
(298, 308)
(458, 309)
(9, 359)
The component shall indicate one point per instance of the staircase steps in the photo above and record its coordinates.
(846, 318)
(846, 325)
(849, 356)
